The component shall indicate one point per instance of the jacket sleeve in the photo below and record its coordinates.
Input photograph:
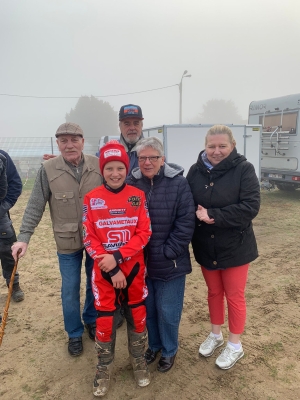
(91, 241)
(35, 207)
(242, 213)
(184, 224)
(3, 178)
(142, 232)
(14, 186)
(189, 177)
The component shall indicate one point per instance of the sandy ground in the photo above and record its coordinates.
(34, 362)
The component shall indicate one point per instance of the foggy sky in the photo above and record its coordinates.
(235, 49)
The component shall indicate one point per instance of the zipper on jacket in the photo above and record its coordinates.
(175, 265)
(150, 192)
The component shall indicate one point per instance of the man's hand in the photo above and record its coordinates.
(107, 262)
(119, 280)
(16, 246)
(48, 156)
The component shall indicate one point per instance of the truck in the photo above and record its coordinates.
(280, 146)
(183, 143)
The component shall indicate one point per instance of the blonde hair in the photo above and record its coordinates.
(219, 130)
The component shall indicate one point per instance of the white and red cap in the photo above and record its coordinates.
(113, 151)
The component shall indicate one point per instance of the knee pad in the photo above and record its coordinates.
(104, 327)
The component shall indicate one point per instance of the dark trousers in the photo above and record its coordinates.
(7, 260)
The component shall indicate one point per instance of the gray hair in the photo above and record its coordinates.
(152, 142)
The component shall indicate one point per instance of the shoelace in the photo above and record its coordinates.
(226, 353)
(208, 341)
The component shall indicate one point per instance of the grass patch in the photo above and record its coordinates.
(272, 348)
(28, 184)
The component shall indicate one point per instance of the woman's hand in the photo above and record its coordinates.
(119, 280)
(203, 216)
(107, 262)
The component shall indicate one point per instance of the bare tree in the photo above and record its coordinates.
(96, 117)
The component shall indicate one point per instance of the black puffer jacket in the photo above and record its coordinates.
(230, 192)
(172, 214)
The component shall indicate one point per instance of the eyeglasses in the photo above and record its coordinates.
(151, 159)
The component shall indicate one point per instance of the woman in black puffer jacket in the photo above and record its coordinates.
(172, 214)
(227, 197)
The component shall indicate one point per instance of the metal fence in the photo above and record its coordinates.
(27, 153)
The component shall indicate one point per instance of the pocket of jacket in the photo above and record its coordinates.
(7, 232)
(66, 204)
(67, 236)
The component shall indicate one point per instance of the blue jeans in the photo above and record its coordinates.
(70, 270)
(164, 307)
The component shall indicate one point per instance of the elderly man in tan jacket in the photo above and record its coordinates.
(63, 182)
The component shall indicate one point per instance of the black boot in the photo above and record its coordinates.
(17, 293)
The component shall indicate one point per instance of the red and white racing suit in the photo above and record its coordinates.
(117, 223)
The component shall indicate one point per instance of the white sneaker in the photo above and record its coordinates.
(229, 356)
(210, 344)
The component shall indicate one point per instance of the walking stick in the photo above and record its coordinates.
(10, 289)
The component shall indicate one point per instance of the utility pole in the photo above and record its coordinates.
(180, 94)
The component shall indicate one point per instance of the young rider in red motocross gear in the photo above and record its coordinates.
(116, 228)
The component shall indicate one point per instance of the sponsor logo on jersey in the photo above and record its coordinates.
(84, 232)
(97, 204)
(117, 211)
(84, 209)
(116, 239)
(90, 250)
(135, 201)
(112, 246)
(116, 222)
(84, 218)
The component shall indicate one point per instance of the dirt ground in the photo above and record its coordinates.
(34, 362)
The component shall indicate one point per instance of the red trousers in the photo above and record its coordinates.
(108, 299)
(229, 283)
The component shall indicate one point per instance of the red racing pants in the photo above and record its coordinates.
(108, 300)
(229, 283)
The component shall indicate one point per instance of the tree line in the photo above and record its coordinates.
(98, 118)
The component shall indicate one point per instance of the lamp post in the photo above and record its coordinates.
(184, 75)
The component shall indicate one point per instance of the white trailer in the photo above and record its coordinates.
(280, 148)
(183, 143)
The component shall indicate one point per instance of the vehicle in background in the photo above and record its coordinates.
(183, 143)
(103, 140)
(280, 145)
